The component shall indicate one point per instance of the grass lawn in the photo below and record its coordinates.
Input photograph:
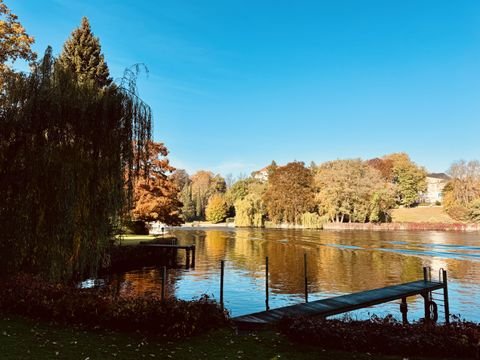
(136, 239)
(425, 214)
(25, 339)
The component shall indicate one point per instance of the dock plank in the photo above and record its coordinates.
(340, 304)
(168, 246)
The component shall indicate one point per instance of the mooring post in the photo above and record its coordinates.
(267, 307)
(164, 280)
(306, 278)
(425, 274)
(404, 310)
(193, 256)
(222, 275)
(188, 257)
(445, 297)
(426, 294)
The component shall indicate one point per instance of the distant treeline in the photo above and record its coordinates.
(336, 191)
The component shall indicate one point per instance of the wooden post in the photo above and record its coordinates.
(164, 280)
(306, 278)
(222, 276)
(445, 297)
(425, 273)
(404, 310)
(193, 256)
(267, 307)
(426, 296)
(188, 258)
(426, 304)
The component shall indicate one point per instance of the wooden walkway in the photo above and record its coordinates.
(169, 246)
(346, 303)
(188, 249)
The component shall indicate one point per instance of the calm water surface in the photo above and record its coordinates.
(339, 262)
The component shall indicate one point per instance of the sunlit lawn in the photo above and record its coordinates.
(136, 239)
(434, 214)
(25, 339)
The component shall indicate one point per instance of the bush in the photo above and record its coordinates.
(313, 220)
(458, 212)
(31, 296)
(474, 211)
(387, 336)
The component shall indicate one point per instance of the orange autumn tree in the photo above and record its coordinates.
(155, 194)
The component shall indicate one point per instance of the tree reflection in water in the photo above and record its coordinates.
(338, 262)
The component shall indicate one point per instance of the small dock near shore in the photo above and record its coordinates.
(345, 303)
(189, 250)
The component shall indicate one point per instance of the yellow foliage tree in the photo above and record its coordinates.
(15, 43)
(216, 210)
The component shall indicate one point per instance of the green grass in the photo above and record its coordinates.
(136, 239)
(26, 339)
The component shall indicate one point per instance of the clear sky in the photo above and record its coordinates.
(235, 84)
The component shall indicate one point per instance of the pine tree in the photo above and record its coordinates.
(82, 55)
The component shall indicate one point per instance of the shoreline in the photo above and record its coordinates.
(393, 226)
(403, 226)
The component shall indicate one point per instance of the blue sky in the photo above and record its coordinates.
(234, 84)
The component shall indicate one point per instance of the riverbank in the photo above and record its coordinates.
(393, 226)
(402, 226)
(26, 339)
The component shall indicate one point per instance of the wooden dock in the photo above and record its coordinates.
(345, 303)
(188, 249)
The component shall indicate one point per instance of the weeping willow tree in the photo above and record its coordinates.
(66, 168)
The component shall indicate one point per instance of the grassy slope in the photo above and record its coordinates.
(434, 214)
(25, 339)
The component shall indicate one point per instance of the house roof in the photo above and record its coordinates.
(441, 176)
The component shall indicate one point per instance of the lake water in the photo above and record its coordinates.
(339, 262)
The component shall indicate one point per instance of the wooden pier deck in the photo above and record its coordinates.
(169, 246)
(188, 249)
(346, 303)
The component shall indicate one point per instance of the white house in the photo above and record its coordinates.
(261, 174)
(435, 184)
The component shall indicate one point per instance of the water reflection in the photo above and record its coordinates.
(338, 262)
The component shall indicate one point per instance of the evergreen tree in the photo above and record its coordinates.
(188, 210)
(82, 55)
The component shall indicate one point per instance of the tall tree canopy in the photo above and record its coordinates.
(409, 178)
(155, 194)
(385, 166)
(180, 178)
(351, 190)
(289, 193)
(15, 43)
(82, 55)
(216, 210)
(204, 185)
(248, 201)
(65, 154)
(462, 193)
